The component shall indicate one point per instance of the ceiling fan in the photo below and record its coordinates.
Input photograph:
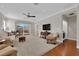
(28, 15)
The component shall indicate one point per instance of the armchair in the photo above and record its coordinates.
(51, 38)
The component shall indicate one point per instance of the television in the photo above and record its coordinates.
(46, 27)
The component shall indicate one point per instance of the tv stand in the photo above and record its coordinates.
(44, 34)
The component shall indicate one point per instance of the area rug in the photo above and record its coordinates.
(33, 46)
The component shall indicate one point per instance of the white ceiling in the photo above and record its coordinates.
(42, 10)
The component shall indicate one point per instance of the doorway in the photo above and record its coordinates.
(69, 26)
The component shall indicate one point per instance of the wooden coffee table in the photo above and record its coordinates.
(22, 39)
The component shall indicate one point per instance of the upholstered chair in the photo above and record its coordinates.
(51, 38)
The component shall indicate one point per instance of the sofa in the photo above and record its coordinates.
(6, 46)
(8, 51)
(3, 46)
(9, 40)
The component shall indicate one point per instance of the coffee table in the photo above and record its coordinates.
(22, 38)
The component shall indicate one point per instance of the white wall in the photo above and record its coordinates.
(10, 24)
(1, 21)
(69, 26)
(33, 29)
(72, 29)
(56, 24)
(65, 28)
(78, 27)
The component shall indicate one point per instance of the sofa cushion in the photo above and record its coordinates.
(8, 51)
(3, 46)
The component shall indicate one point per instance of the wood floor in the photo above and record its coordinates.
(77, 53)
(67, 48)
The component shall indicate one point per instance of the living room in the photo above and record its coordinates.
(33, 29)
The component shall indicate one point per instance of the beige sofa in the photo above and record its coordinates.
(8, 51)
(5, 47)
(2, 46)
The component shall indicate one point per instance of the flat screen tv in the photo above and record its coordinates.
(46, 27)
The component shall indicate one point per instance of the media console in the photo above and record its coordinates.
(44, 34)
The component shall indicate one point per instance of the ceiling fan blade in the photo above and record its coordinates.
(31, 16)
(28, 15)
